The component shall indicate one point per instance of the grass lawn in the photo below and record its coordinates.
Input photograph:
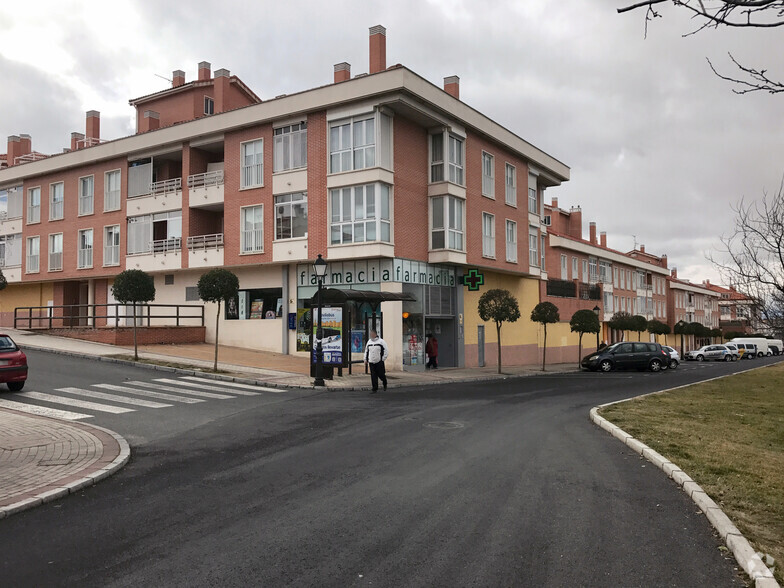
(728, 435)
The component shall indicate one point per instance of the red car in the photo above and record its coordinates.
(13, 364)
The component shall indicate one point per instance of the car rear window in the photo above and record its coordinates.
(6, 344)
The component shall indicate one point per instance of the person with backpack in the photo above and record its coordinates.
(376, 352)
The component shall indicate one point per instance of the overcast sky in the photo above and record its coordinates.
(659, 147)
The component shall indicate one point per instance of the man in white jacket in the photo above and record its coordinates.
(376, 352)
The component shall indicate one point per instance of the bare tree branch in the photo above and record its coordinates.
(759, 79)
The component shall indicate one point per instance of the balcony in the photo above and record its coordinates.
(206, 190)
(165, 246)
(162, 196)
(164, 254)
(166, 186)
(569, 289)
(205, 251)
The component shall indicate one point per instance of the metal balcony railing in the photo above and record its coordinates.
(85, 258)
(87, 142)
(32, 263)
(113, 315)
(55, 261)
(166, 186)
(56, 210)
(213, 178)
(201, 242)
(561, 288)
(29, 157)
(166, 245)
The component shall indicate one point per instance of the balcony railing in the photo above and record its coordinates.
(166, 186)
(111, 255)
(212, 178)
(85, 205)
(112, 315)
(85, 258)
(29, 157)
(590, 292)
(32, 263)
(166, 245)
(87, 142)
(201, 242)
(56, 210)
(55, 261)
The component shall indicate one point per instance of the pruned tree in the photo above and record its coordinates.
(621, 321)
(133, 287)
(716, 334)
(638, 324)
(3, 281)
(499, 306)
(657, 328)
(699, 331)
(545, 313)
(217, 285)
(583, 321)
(746, 14)
(682, 328)
(729, 335)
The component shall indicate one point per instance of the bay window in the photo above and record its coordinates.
(290, 148)
(533, 247)
(533, 201)
(291, 215)
(360, 142)
(360, 214)
(447, 223)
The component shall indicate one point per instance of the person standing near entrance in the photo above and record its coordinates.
(376, 352)
(431, 348)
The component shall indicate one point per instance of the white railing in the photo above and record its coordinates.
(85, 258)
(56, 210)
(3, 215)
(165, 245)
(212, 178)
(29, 157)
(488, 183)
(166, 186)
(111, 255)
(87, 142)
(252, 240)
(200, 242)
(55, 261)
(34, 214)
(32, 263)
(111, 200)
(85, 205)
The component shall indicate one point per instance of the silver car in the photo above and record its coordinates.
(710, 352)
(675, 357)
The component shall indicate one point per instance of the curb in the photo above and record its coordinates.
(95, 475)
(744, 553)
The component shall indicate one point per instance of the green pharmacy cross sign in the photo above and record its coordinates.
(473, 279)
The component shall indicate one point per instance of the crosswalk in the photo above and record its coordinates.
(73, 404)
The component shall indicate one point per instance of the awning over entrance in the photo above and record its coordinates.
(336, 296)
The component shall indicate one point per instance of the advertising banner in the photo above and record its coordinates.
(332, 334)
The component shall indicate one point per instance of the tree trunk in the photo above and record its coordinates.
(544, 351)
(579, 349)
(135, 346)
(498, 330)
(217, 324)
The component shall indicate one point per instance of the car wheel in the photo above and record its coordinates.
(760, 354)
(727, 358)
(656, 365)
(673, 364)
(605, 365)
(700, 358)
(15, 386)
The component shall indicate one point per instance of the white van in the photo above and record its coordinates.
(760, 342)
(776, 347)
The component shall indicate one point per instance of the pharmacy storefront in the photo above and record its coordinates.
(434, 311)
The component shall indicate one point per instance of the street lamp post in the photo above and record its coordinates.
(596, 311)
(320, 269)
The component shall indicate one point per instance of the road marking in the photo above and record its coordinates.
(184, 391)
(114, 397)
(233, 384)
(204, 387)
(44, 411)
(75, 402)
(149, 393)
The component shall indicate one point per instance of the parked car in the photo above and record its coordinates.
(675, 357)
(747, 350)
(775, 346)
(760, 342)
(624, 355)
(13, 364)
(710, 352)
(736, 353)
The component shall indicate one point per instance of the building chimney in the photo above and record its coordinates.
(592, 233)
(204, 71)
(664, 260)
(452, 86)
(674, 272)
(77, 141)
(642, 248)
(14, 149)
(378, 49)
(603, 239)
(342, 71)
(93, 126)
(26, 144)
(222, 83)
(178, 78)
(554, 204)
(150, 121)
(576, 222)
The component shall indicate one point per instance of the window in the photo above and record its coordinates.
(85, 248)
(209, 105)
(291, 215)
(261, 303)
(456, 160)
(34, 205)
(615, 277)
(55, 252)
(488, 235)
(437, 157)
(575, 268)
(33, 254)
(623, 279)
(155, 233)
(359, 214)
(532, 200)
(511, 241)
(585, 271)
(488, 175)
(56, 196)
(447, 229)
(594, 276)
(541, 252)
(111, 245)
(533, 247)
(253, 229)
(290, 147)
(111, 190)
(608, 302)
(511, 185)
(11, 202)
(11, 250)
(352, 144)
(86, 190)
(252, 154)
(564, 267)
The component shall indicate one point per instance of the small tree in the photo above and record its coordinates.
(716, 334)
(545, 313)
(729, 335)
(3, 281)
(699, 331)
(638, 324)
(132, 287)
(583, 321)
(501, 307)
(217, 285)
(657, 328)
(620, 321)
(682, 328)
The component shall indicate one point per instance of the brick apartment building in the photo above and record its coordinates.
(738, 312)
(400, 185)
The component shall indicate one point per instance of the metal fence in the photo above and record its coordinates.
(114, 315)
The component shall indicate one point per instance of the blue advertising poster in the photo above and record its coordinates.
(332, 331)
(357, 341)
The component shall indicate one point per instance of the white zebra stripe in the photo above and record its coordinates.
(205, 387)
(232, 384)
(44, 411)
(75, 402)
(180, 389)
(114, 398)
(149, 393)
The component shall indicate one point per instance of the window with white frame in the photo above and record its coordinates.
(488, 235)
(575, 268)
(111, 190)
(352, 144)
(488, 175)
(33, 254)
(291, 215)
(11, 202)
(55, 252)
(34, 205)
(437, 157)
(511, 241)
(564, 267)
(252, 156)
(252, 229)
(290, 147)
(533, 203)
(56, 198)
(85, 248)
(542, 252)
(615, 277)
(608, 302)
(585, 271)
(111, 245)
(155, 233)
(533, 247)
(360, 214)
(11, 250)
(511, 185)
(456, 160)
(447, 223)
(86, 191)
(209, 105)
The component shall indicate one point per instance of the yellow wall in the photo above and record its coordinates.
(523, 332)
(15, 295)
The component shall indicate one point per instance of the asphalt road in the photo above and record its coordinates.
(504, 483)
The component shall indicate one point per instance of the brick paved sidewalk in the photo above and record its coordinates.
(43, 459)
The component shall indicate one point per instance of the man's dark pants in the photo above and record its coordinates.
(377, 371)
